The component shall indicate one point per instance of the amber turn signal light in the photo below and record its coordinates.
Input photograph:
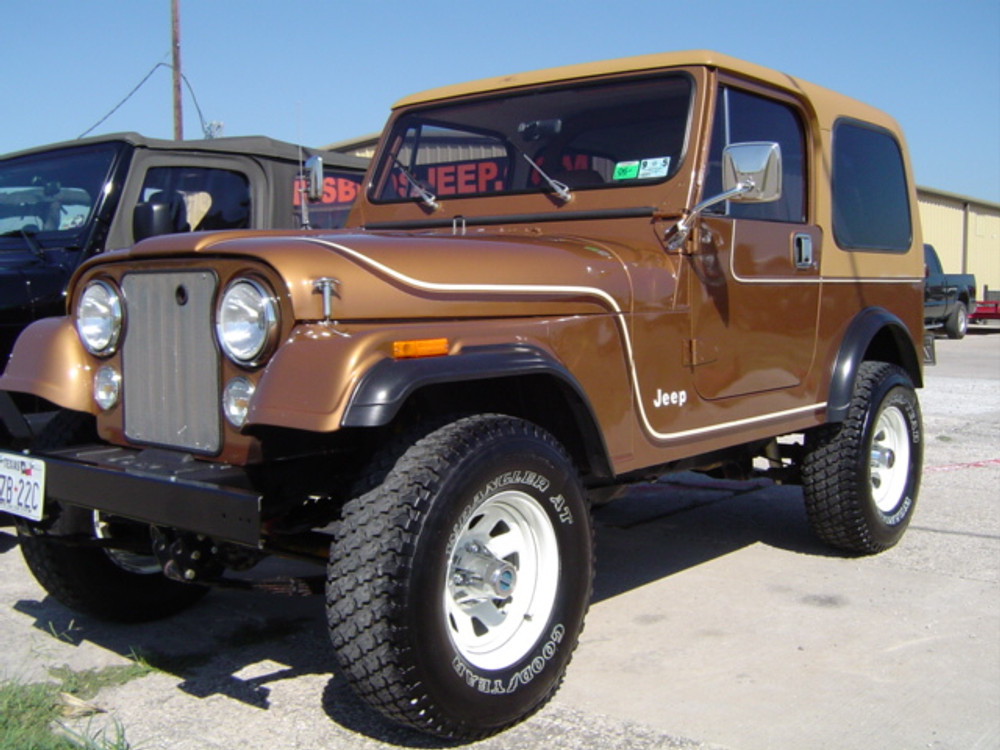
(419, 348)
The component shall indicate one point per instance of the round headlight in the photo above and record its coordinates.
(99, 317)
(247, 321)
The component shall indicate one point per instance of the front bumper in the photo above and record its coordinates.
(162, 488)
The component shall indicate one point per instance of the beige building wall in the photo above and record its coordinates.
(966, 234)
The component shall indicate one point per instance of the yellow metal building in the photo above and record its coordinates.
(966, 234)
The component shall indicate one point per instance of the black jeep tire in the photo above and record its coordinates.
(957, 324)
(457, 588)
(110, 584)
(860, 478)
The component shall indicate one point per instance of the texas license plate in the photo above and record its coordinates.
(22, 486)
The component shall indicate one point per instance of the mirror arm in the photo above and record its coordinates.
(679, 232)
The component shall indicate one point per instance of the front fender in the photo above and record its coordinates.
(323, 377)
(49, 361)
(383, 390)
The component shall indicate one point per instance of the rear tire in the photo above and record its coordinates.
(957, 324)
(457, 588)
(107, 583)
(860, 478)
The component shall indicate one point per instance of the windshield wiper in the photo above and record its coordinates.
(29, 240)
(561, 189)
(429, 199)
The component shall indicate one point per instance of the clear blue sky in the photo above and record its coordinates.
(318, 71)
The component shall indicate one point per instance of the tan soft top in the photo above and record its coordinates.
(828, 104)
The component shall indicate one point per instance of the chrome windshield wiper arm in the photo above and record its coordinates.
(429, 199)
(559, 188)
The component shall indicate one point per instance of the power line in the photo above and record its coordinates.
(205, 129)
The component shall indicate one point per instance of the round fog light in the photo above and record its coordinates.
(107, 387)
(236, 400)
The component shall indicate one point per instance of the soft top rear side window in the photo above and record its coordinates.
(585, 135)
(871, 205)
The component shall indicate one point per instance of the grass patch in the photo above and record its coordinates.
(90, 682)
(30, 713)
(177, 664)
(26, 712)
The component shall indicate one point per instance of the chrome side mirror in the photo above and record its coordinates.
(751, 173)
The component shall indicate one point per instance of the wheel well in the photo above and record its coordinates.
(874, 335)
(541, 399)
(892, 345)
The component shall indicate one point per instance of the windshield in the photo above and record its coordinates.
(53, 193)
(613, 134)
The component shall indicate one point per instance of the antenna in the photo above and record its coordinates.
(175, 30)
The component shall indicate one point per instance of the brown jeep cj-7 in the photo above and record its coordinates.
(558, 283)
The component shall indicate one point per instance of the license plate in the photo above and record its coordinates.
(22, 486)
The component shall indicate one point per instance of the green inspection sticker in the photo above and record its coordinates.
(626, 170)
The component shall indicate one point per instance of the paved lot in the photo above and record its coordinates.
(717, 623)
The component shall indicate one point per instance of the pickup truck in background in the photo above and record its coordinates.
(949, 298)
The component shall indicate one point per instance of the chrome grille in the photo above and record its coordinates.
(170, 362)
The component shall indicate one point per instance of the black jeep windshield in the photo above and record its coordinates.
(556, 139)
(53, 194)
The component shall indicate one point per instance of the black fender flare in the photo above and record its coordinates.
(383, 390)
(13, 425)
(856, 343)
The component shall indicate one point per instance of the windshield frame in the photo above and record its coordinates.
(402, 142)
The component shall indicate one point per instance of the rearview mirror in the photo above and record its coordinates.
(151, 220)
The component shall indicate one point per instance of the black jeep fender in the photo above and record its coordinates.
(873, 334)
(384, 389)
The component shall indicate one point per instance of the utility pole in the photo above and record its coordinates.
(175, 27)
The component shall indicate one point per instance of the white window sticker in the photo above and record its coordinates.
(657, 167)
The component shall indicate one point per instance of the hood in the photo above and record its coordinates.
(401, 275)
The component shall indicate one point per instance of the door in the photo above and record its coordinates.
(756, 285)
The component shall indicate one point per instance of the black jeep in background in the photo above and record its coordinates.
(63, 203)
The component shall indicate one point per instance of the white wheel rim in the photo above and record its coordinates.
(502, 578)
(890, 459)
(129, 561)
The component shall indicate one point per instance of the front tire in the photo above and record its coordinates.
(860, 478)
(457, 588)
(120, 584)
